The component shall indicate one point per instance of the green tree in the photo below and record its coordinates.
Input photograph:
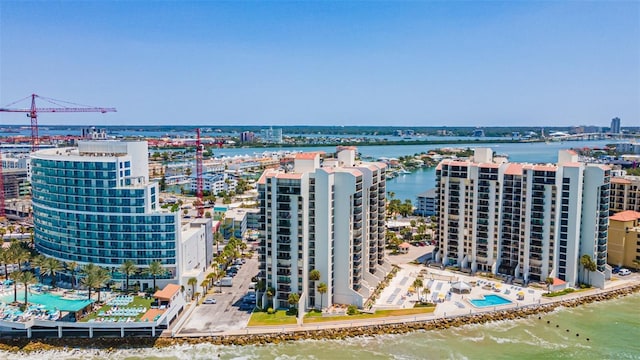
(322, 289)
(293, 300)
(27, 278)
(89, 274)
(271, 292)
(204, 284)
(5, 260)
(192, 282)
(314, 275)
(72, 267)
(100, 279)
(51, 267)
(36, 264)
(218, 239)
(15, 276)
(549, 282)
(128, 268)
(418, 284)
(163, 183)
(155, 269)
(19, 255)
(591, 267)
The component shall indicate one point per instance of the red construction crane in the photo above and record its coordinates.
(199, 184)
(64, 106)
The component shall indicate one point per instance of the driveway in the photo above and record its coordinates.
(226, 314)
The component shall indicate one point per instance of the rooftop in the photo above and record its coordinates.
(628, 215)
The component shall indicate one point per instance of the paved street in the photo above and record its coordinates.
(226, 314)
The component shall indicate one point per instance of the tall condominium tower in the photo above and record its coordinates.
(326, 215)
(94, 204)
(524, 220)
(615, 125)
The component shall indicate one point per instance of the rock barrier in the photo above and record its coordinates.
(108, 344)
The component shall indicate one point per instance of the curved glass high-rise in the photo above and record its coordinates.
(94, 204)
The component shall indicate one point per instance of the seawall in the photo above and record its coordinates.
(29, 345)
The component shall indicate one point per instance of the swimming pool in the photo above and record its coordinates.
(51, 302)
(490, 300)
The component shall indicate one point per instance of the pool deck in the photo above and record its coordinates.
(397, 295)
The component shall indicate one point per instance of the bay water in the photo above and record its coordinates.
(606, 330)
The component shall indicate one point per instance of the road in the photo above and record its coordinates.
(226, 314)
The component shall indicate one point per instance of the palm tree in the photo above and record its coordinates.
(99, 279)
(15, 276)
(5, 259)
(417, 283)
(314, 275)
(322, 289)
(204, 284)
(211, 277)
(243, 247)
(155, 268)
(36, 263)
(218, 239)
(32, 243)
(293, 300)
(27, 278)
(592, 266)
(72, 266)
(128, 268)
(51, 267)
(270, 294)
(636, 262)
(584, 261)
(549, 282)
(192, 282)
(89, 274)
(3, 232)
(19, 254)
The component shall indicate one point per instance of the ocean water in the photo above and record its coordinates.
(605, 330)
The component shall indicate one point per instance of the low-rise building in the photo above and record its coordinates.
(624, 239)
(625, 194)
(426, 204)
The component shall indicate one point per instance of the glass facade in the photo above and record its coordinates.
(90, 210)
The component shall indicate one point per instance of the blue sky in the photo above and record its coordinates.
(325, 63)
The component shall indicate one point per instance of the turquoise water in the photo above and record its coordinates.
(611, 327)
(51, 302)
(490, 300)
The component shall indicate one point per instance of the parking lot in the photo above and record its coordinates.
(229, 312)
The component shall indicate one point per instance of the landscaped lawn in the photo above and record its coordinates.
(315, 316)
(137, 302)
(280, 317)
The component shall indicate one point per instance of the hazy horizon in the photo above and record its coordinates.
(420, 64)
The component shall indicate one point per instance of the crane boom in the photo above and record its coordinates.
(32, 112)
(97, 109)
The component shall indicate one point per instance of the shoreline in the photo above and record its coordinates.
(24, 345)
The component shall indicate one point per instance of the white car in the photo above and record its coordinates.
(624, 272)
(209, 301)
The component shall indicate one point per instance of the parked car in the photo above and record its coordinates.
(624, 272)
(210, 301)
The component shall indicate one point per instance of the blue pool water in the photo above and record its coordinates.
(490, 300)
(51, 302)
